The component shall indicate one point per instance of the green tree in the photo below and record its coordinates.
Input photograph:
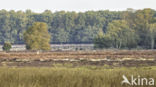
(153, 35)
(14, 23)
(140, 20)
(37, 37)
(121, 35)
(61, 35)
(7, 46)
(85, 34)
(78, 27)
(118, 35)
(102, 41)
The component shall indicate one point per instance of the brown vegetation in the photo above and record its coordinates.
(82, 54)
(80, 58)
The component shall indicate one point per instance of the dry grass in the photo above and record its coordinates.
(90, 76)
(83, 54)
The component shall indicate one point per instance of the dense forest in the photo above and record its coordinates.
(64, 27)
(135, 29)
(131, 27)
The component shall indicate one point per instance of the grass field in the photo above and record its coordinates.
(59, 76)
(76, 69)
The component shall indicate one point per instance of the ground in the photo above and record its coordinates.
(117, 58)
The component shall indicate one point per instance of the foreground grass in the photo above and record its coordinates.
(90, 76)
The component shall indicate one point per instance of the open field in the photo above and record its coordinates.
(72, 77)
(76, 68)
(78, 58)
(82, 54)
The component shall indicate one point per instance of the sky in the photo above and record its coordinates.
(76, 5)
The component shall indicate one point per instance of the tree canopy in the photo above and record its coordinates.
(37, 37)
(136, 28)
(83, 27)
(119, 35)
(66, 27)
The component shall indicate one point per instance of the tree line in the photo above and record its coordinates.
(106, 29)
(135, 29)
(64, 27)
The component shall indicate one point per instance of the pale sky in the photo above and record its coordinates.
(75, 5)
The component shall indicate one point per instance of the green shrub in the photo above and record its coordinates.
(7, 46)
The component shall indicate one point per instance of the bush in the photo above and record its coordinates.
(7, 46)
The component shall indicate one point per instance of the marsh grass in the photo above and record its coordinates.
(86, 76)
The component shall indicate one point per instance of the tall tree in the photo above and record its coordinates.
(140, 20)
(118, 35)
(153, 35)
(37, 37)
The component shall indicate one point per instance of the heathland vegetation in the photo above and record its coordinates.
(86, 76)
(107, 29)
